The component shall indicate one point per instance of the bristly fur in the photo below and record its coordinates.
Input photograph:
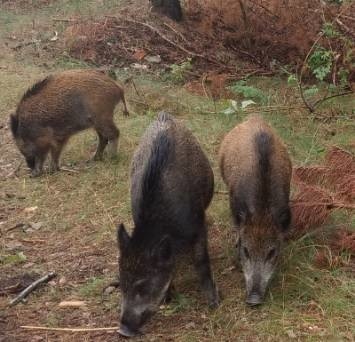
(14, 124)
(263, 146)
(36, 88)
(161, 149)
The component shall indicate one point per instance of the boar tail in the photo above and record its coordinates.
(14, 124)
(264, 142)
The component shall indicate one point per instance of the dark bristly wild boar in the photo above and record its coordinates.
(170, 8)
(171, 186)
(61, 105)
(256, 168)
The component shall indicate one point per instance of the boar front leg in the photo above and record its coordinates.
(203, 268)
(38, 169)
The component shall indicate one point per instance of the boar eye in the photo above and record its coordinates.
(246, 252)
(271, 254)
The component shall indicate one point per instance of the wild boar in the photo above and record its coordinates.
(61, 105)
(170, 8)
(256, 168)
(171, 186)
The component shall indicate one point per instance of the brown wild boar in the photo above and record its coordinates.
(61, 105)
(171, 187)
(257, 171)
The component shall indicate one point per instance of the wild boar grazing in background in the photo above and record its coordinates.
(61, 105)
(257, 170)
(170, 8)
(171, 186)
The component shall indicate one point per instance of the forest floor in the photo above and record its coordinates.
(65, 222)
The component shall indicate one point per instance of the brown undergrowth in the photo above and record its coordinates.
(322, 190)
(217, 35)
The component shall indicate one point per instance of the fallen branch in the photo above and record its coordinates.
(330, 97)
(32, 287)
(29, 327)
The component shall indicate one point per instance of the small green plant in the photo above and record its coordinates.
(249, 92)
(13, 259)
(292, 80)
(329, 30)
(178, 72)
(179, 303)
(92, 288)
(320, 62)
(311, 91)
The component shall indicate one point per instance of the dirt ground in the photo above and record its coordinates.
(66, 222)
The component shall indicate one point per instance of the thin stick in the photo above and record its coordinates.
(65, 20)
(32, 287)
(330, 205)
(221, 192)
(29, 327)
(176, 31)
(332, 96)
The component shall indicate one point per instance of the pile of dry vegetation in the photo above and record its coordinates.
(322, 189)
(217, 35)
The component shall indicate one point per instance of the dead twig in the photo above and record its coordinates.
(28, 327)
(32, 287)
(176, 31)
(344, 27)
(332, 96)
(163, 36)
(330, 205)
(17, 225)
(65, 20)
(220, 192)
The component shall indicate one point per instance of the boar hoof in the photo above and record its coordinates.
(96, 157)
(214, 302)
(126, 332)
(36, 173)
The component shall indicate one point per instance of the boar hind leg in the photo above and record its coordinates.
(112, 134)
(55, 155)
(100, 148)
(203, 268)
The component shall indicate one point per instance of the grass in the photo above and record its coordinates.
(80, 209)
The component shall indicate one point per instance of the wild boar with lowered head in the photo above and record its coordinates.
(171, 187)
(61, 105)
(257, 171)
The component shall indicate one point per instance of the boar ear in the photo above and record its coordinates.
(122, 237)
(13, 124)
(162, 253)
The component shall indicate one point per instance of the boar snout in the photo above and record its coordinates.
(254, 299)
(256, 288)
(127, 332)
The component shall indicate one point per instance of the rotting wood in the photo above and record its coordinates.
(32, 287)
